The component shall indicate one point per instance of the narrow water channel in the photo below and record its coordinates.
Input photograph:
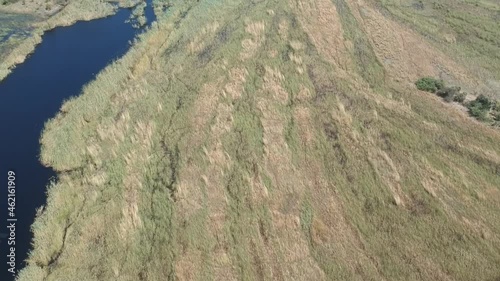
(66, 60)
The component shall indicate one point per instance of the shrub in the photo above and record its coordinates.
(478, 113)
(460, 97)
(429, 84)
(483, 101)
(448, 93)
(480, 107)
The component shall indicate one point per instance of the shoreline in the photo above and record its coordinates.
(86, 37)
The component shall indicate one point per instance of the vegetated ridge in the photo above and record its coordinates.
(276, 140)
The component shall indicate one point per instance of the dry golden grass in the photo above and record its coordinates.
(321, 22)
(251, 45)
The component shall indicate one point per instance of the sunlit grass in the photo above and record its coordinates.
(225, 145)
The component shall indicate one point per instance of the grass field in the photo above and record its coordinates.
(271, 140)
(469, 31)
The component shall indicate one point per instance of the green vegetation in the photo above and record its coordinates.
(437, 86)
(467, 30)
(13, 29)
(429, 84)
(364, 57)
(480, 108)
(238, 140)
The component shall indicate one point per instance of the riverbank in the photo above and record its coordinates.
(61, 65)
(58, 15)
(48, 250)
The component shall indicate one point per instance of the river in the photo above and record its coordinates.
(66, 60)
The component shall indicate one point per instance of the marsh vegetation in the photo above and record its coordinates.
(29, 24)
(260, 140)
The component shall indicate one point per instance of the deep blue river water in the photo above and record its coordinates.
(66, 60)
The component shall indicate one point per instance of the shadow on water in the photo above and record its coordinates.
(67, 59)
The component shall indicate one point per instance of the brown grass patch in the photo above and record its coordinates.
(251, 45)
(320, 21)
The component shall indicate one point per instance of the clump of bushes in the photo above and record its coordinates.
(429, 84)
(482, 108)
(485, 109)
(438, 87)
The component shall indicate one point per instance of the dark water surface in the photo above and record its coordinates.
(67, 59)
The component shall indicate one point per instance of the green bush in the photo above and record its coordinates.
(484, 101)
(480, 107)
(429, 84)
(478, 113)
